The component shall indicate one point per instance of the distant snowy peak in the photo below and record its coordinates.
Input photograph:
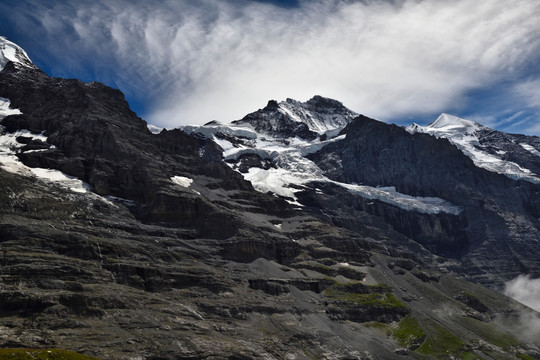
(453, 122)
(447, 126)
(470, 137)
(14, 53)
(307, 120)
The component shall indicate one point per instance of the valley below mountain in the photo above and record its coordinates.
(302, 231)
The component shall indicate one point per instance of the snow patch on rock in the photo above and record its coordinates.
(6, 110)
(9, 147)
(182, 181)
(530, 149)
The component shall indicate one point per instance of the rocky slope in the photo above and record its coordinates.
(123, 244)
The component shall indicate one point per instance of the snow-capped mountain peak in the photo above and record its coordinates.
(308, 120)
(470, 138)
(453, 123)
(447, 126)
(318, 113)
(12, 52)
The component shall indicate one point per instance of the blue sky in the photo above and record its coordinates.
(189, 62)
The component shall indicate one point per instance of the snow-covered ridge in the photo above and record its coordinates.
(464, 135)
(12, 52)
(291, 170)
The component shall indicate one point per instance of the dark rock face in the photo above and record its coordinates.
(99, 140)
(442, 234)
(378, 154)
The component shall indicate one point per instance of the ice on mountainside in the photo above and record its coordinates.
(530, 149)
(6, 110)
(9, 146)
(182, 181)
(292, 169)
(464, 135)
(12, 52)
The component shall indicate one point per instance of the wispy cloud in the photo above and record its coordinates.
(525, 290)
(205, 60)
(530, 92)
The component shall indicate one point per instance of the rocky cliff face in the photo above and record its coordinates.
(123, 244)
(498, 212)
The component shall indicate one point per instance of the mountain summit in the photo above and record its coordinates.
(14, 53)
(316, 117)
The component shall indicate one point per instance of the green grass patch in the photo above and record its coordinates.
(357, 293)
(468, 356)
(491, 333)
(378, 325)
(360, 287)
(41, 354)
(386, 300)
(524, 357)
(441, 342)
(408, 332)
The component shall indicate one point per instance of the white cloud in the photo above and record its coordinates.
(529, 92)
(525, 290)
(213, 59)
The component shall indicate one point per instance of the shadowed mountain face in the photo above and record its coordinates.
(264, 239)
(497, 228)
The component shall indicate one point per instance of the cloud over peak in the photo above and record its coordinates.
(191, 62)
